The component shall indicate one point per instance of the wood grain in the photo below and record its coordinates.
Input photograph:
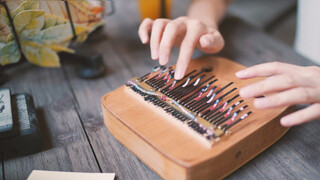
(174, 152)
(294, 156)
(66, 147)
(1, 171)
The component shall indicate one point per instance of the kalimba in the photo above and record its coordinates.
(195, 128)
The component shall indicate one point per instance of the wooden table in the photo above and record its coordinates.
(68, 108)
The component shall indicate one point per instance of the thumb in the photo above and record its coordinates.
(211, 42)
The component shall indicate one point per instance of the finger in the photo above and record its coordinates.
(144, 30)
(267, 69)
(269, 85)
(289, 97)
(302, 116)
(211, 42)
(186, 50)
(167, 41)
(156, 34)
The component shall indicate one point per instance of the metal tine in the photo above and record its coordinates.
(159, 83)
(142, 78)
(220, 90)
(211, 115)
(163, 70)
(155, 69)
(206, 97)
(236, 122)
(156, 78)
(233, 116)
(180, 91)
(191, 87)
(216, 93)
(150, 81)
(162, 80)
(217, 100)
(195, 85)
(202, 91)
(222, 107)
(184, 90)
(182, 84)
(166, 78)
(205, 117)
(186, 83)
(167, 90)
(194, 102)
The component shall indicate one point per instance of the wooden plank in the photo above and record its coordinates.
(66, 147)
(124, 57)
(295, 155)
(1, 167)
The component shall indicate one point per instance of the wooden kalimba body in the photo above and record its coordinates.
(195, 128)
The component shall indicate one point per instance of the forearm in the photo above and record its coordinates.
(210, 12)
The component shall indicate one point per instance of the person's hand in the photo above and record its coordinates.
(288, 85)
(183, 32)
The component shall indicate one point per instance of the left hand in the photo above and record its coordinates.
(288, 85)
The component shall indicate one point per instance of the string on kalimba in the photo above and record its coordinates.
(196, 100)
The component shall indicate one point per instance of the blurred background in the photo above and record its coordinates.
(277, 18)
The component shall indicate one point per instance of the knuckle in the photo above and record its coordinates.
(275, 66)
(305, 94)
(159, 21)
(188, 44)
(314, 69)
(182, 18)
(274, 100)
(261, 87)
(172, 25)
(290, 80)
(164, 47)
(195, 23)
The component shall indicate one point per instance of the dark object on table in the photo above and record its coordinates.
(26, 138)
(6, 119)
(91, 67)
(3, 78)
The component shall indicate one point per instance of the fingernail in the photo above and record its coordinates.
(285, 122)
(206, 42)
(260, 103)
(144, 39)
(178, 74)
(163, 60)
(244, 92)
(241, 74)
(154, 54)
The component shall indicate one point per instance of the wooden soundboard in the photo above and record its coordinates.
(171, 146)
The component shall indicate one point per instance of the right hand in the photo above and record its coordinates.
(183, 32)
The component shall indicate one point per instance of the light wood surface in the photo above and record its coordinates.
(293, 156)
(175, 153)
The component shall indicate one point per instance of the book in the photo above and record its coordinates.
(54, 175)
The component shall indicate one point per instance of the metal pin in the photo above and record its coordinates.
(236, 122)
